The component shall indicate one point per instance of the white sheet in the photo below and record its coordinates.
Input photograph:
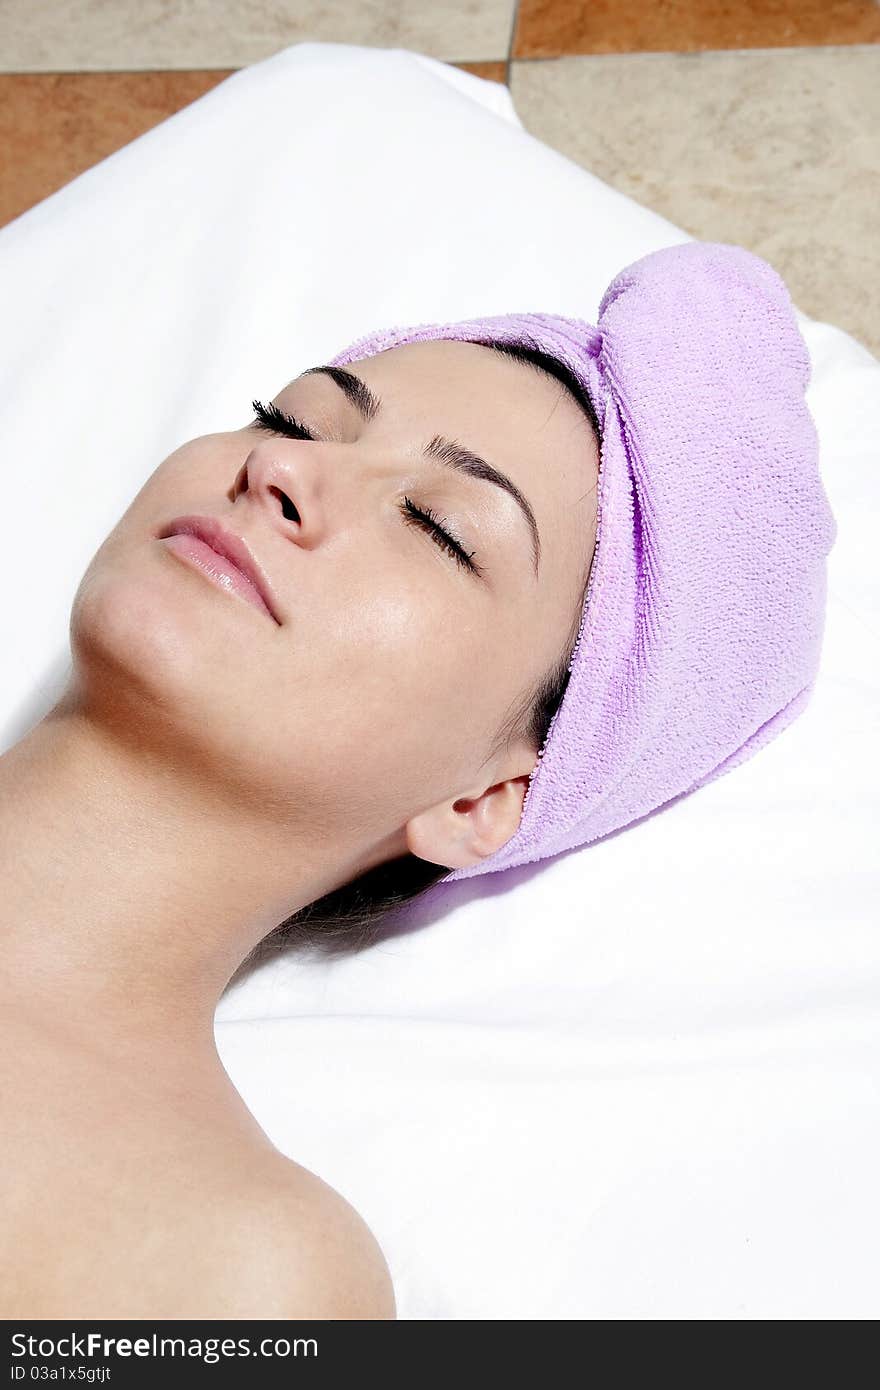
(612, 1086)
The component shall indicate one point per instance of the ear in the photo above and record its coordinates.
(470, 828)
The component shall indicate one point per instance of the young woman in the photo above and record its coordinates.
(314, 663)
(482, 602)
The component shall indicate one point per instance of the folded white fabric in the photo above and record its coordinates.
(603, 1087)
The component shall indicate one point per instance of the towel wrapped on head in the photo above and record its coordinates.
(704, 614)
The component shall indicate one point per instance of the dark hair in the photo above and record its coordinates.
(349, 918)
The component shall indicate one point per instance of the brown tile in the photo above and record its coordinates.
(551, 28)
(57, 125)
(493, 72)
(54, 125)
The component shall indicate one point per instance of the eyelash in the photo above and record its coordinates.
(276, 421)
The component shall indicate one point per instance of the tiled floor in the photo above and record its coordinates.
(752, 121)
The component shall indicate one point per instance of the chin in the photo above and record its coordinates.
(131, 637)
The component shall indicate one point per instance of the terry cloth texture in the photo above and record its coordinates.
(703, 620)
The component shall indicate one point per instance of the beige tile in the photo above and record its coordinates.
(92, 35)
(777, 150)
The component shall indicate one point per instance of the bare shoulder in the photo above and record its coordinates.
(305, 1252)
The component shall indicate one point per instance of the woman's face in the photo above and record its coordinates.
(381, 689)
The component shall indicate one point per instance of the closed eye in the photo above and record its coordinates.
(275, 421)
(427, 520)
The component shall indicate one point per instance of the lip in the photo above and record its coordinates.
(234, 550)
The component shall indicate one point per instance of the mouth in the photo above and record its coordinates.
(223, 556)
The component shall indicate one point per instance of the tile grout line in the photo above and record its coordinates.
(509, 61)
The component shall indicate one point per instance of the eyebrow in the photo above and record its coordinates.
(445, 451)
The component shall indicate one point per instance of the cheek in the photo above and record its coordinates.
(368, 655)
(392, 686)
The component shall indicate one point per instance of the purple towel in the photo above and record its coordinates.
(703, 621)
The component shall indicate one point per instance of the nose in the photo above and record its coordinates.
(283, 476)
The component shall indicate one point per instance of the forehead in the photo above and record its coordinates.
(519, 418)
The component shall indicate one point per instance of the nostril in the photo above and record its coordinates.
(240, 484)
(287, 507)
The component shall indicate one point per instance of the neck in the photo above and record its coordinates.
(131, 891)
